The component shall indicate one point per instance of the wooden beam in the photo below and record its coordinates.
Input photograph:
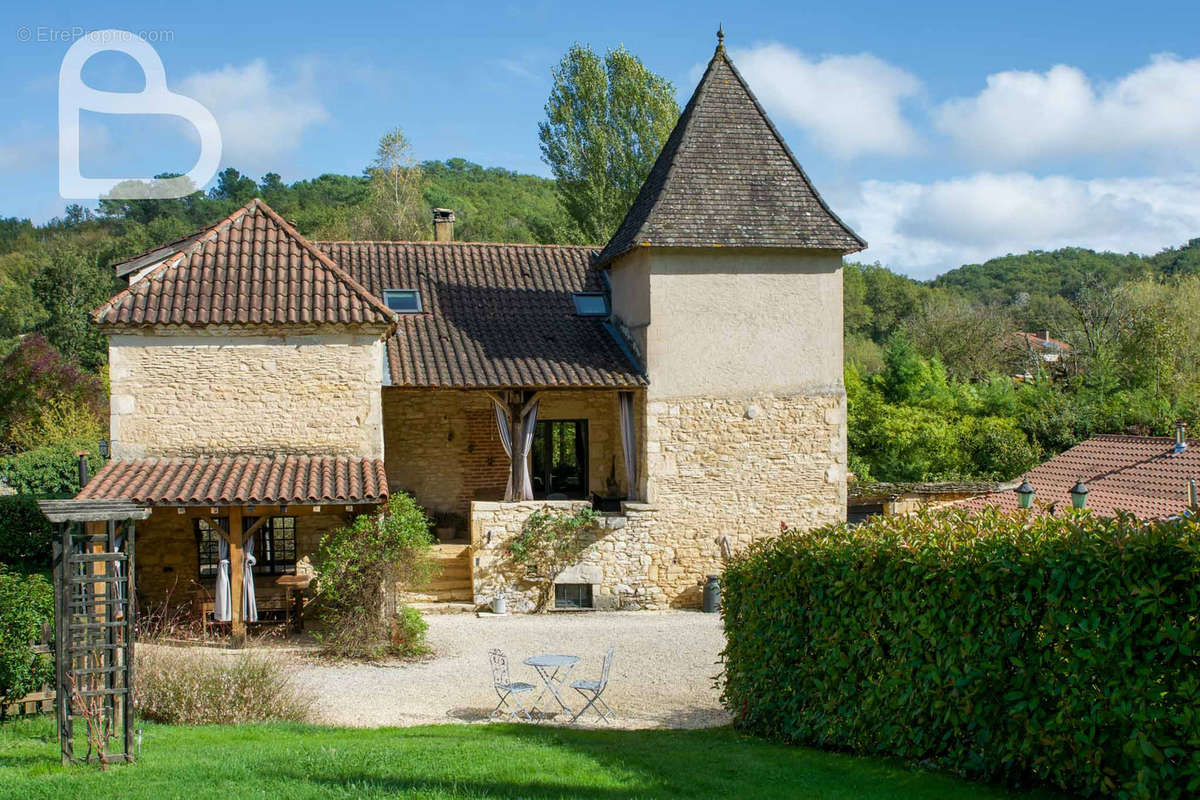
(236, 570)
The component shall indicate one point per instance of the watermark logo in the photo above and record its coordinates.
(75, 96)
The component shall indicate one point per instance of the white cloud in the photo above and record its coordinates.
(260, 116)
(1025, 116)
(925, 229)
(849, 105)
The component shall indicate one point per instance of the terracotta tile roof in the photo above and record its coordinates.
(1042, 342)
(494, 315)
(250, 268)
(726, 177)
(1139, 474)
(240, 481)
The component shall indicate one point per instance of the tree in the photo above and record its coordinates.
(68, 286)
(233, 185)
(396, 207)
(605, 124)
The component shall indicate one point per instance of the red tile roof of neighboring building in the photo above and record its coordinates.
(725, 177)
(251, 268)
(1139, 474)
(240, 481)
(1043, 342)
(493, 315)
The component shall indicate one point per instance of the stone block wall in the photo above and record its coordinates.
(733, 469)
(226, 392)
(623, 550)
(442, 446)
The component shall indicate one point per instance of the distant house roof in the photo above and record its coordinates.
(725, 177)
(1041, 341)
(1139, 474)
(240, 481)
(492, 315)
(250, 268)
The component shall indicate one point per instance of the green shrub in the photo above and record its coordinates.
(362, 569)
(409, 630)
(26, 538)
(203, 687)
(26, 604)
(48, 471)
(1056, 650)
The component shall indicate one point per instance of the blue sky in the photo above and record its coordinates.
(943, 132)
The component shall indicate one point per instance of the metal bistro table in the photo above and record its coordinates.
(548, 667)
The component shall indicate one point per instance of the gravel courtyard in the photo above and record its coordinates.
(662, 674)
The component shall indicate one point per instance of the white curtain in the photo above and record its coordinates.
(223, 600)
(249, 603)
(506, 441)
(629, 441)
(528, 423)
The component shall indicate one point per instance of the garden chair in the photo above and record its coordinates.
(508, 691)
(591, 691)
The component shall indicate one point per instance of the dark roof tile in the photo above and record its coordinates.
(725, 177)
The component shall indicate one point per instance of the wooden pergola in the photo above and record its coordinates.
(94, 608)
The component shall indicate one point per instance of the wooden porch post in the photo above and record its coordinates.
(236, 570)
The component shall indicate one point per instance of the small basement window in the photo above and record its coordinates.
(591, 304)
(572, 595)
(402, 301)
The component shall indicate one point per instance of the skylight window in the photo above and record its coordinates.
(591, 304)
(402, 301)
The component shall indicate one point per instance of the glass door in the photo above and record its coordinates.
(559, 456)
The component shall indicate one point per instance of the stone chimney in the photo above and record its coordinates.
(443, 225)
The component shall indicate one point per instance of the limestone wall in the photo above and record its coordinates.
(443, 447)
(231, 393)
(617, 562)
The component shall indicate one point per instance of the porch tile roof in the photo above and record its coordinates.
(267, 480)
(1139, 474)
(494, 315)
(251, 268)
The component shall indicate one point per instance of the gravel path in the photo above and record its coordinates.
(662, 674)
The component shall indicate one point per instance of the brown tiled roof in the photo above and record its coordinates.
(1139, 474)
(725, 177)
(240, 481)
(494, 315)
(251, 268)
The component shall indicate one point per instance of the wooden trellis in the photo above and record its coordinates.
(94, 610)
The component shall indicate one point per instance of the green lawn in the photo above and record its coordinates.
(460, 761)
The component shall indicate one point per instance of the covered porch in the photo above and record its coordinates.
(450, 448)
(232, 537)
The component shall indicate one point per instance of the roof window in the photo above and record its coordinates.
(591, 304)
(403, 301)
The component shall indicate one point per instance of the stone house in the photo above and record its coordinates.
(686, 379)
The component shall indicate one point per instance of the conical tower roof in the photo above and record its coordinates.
(726, 178)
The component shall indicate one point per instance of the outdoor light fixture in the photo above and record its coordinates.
(1079, 493)
(104, 448)
(1025, 494)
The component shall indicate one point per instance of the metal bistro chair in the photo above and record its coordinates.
(591, 691)
(508, 692)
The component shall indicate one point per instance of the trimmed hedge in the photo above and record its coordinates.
(1051, 650)
(26, 537)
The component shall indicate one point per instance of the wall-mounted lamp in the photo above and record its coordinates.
(104, 448)
(1025, 494)
(1079, 493)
